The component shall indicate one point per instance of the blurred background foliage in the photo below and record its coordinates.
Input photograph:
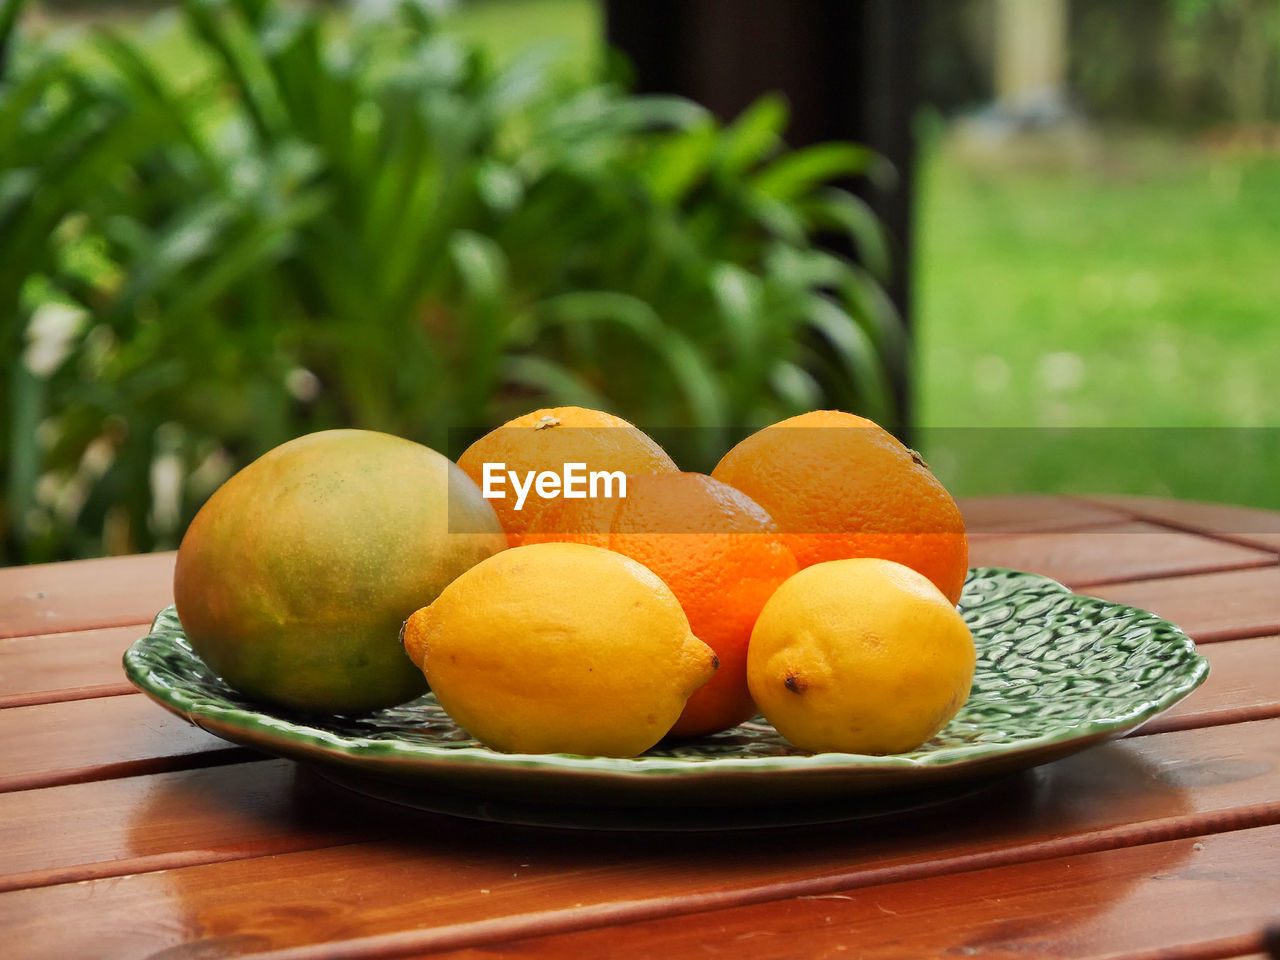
(224, 224)
(292, 218)
(1179, 64)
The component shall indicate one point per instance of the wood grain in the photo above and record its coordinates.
(115, 815)
(84, 594)
(1210, 606)
(133, 824)
(127, 825)
(64, 666)
(1243, 684)
(107, 828)
(1035, 512)
(1129, 551)
(1247, 525)
(1161, 896)
(1223, 948)
(443, 883)
(80, 740)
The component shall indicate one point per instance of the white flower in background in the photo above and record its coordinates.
(1060, 371)
(50, 332)
(991, 374)
(302, 384)
(167, 480)
(1143, 289)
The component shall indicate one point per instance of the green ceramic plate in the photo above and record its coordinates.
(1056, 672)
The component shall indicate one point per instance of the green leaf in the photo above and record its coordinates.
(521, 83)
(240, 257)
(19, 94)
(9, 11)
(796, 386)
(595, 112)
(738, 294)
(686, 366)
(480, 263)
(560, 385)
(795, 174)
(868, 302)
(678, 163)
(230, 37)
(808, 268)
(482, 269)
(17, 185)
(843, 211)
(147, 85)
(754, 136)
(855, 357)
(779, 219)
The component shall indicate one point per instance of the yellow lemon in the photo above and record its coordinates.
(859, 656)
(560, 648)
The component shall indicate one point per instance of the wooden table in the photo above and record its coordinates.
(124, 832)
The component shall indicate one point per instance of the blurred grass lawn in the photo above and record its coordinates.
(1139, 289)
(1143, 297)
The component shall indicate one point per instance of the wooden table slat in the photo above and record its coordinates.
(1237, 690)
(1243, 685)
(156, 837)
(107, 828)
(1209, 606)
(1224, 948)
(1129, 551)
(1247, 525)
(49, 667)
(1163, 897)
(1036, 513)
(84, 594)
(79, 740)
(1126, 793)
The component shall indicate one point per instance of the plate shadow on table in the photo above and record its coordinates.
(348, 832)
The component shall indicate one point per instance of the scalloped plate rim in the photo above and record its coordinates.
(347, 749)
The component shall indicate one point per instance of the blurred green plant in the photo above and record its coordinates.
(1176, 64)
(1250, 78)
(360, 221)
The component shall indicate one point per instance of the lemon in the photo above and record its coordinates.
(859, 656)
(560, 648)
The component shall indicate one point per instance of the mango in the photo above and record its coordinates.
(293, 580)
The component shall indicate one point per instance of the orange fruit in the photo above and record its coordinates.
(546, 440)
(717, 550)
(841, 486)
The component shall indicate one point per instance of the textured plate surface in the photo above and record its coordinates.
(1056, 672)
